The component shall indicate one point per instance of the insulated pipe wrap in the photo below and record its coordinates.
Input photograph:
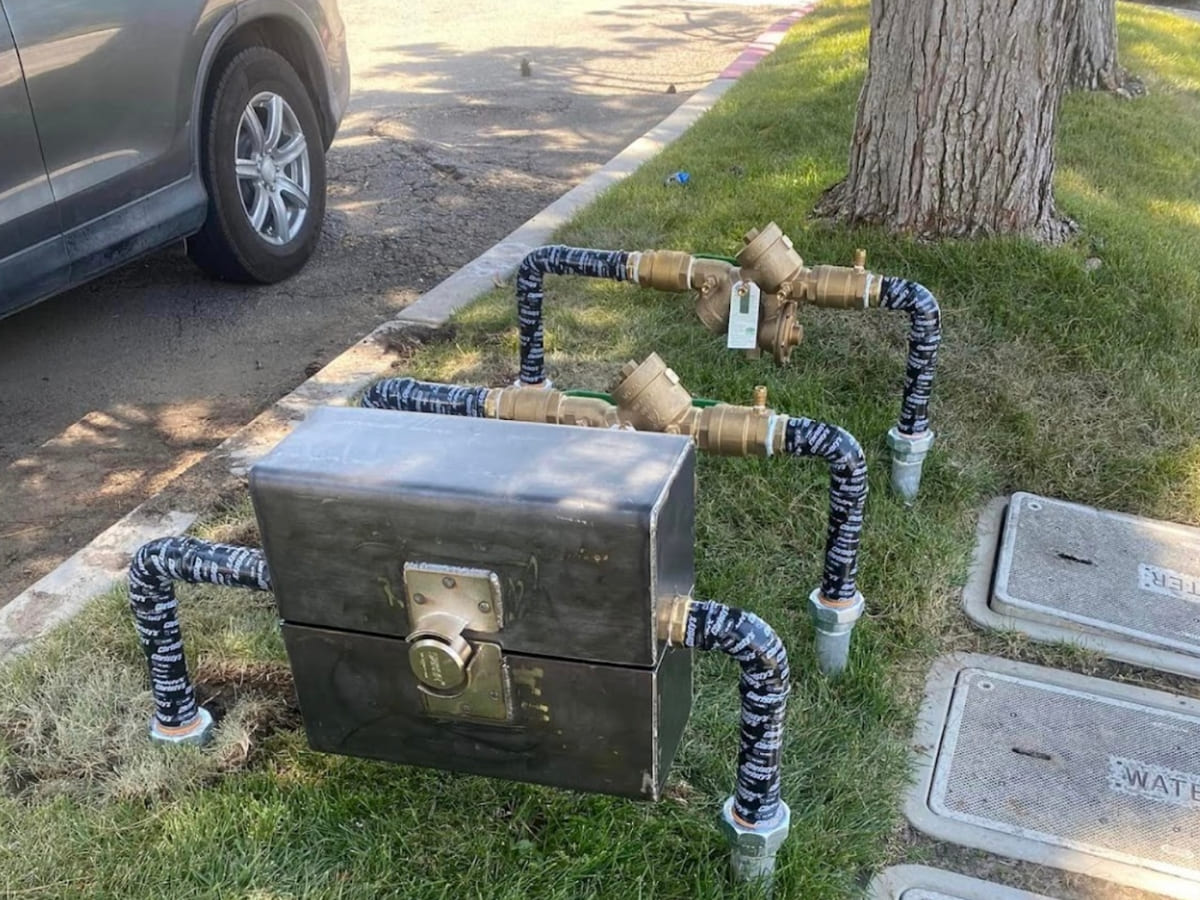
(155, 568)
(410, 395)
(847, 497)
(764, 687)
(925, 333)
(555, 259)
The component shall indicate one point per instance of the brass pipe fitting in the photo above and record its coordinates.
(779, 330)
(672, 620)
(841, 287)
(650, 398)
(728, 430)
(771, 262)
(663, 270)
(550, 406)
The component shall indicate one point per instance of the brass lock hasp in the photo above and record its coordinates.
(457, 677)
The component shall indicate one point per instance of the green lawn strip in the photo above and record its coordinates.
(1074, 383)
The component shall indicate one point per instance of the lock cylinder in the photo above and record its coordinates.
(439, 662)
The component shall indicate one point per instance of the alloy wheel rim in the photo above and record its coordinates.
(273, 172)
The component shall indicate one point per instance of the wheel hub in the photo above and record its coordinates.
(272, 164)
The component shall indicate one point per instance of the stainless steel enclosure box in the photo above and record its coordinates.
(529, 561)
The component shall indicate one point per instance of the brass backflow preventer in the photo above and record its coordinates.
(649, 397)
(757, 299)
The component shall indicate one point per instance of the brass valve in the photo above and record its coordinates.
(554, 407)
(839, 287)
(769, 259)
(649, 397)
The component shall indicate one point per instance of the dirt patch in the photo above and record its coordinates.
(262, 695)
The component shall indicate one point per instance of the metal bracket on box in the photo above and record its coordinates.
(457, 677)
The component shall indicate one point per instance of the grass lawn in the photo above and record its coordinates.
(1054, 378)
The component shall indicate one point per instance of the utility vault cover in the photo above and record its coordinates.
(925, 883)
(1127, 586)
(1063, 770)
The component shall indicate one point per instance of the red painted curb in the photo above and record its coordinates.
(765, 43)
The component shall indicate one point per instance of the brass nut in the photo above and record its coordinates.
(672, 620)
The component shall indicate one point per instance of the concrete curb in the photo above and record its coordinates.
(92, 570)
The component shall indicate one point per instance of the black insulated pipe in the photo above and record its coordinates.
(924, 336)
(555, 259)
(152, 573)
(410, 395)
(847, 497)
(764, 685)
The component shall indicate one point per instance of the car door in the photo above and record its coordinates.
(111, 84)
(33, 261)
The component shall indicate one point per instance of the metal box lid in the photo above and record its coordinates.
(586, 530)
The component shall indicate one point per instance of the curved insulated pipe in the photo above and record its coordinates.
(411, 395)
(555, 259)
(763, 687)
(152, 573)
(924, 336)
(847, 497)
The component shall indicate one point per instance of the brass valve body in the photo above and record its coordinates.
(840, 287)
(771, 262)
(649, 397)
(769, 257)
(554, 407)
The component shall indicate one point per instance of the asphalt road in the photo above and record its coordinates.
(109, 391)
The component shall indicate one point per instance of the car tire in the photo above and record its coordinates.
(266, 193)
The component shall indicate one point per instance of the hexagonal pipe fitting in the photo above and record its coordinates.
(199, 731)
(908, 460)
(753, 847)
(835, 624)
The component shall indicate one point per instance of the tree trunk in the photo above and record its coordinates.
(956, 120)
(1093, 65)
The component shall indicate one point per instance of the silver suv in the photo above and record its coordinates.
(128, 124)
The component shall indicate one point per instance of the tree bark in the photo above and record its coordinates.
(1093, 65)
(956, 120)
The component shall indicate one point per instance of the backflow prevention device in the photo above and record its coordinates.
(501, 598)
(649, 397)
(755, 300)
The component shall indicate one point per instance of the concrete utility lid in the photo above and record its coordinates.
(925, 883)
(1126, 586)
(1059, 769)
